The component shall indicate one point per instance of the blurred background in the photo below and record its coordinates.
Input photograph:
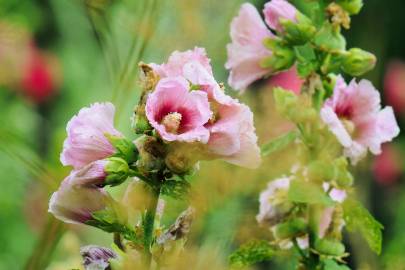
(58, 56)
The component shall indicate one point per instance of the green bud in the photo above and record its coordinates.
(179, 163)
(282, 57)
(343, 177)
(357, 62)
(321, 171)
(331, 247)
(353, 7)
(329, 38)
(117, 171)
(139, 121)
(291, 228)
(151, 154)
(300, 32)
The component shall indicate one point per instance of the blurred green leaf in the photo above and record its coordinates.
(279, 143)
(358, 218)
(307, 192)
(251, 253)
(330, 264)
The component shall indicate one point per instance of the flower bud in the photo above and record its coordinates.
(330, 247)
(329, 38)
(320, 171)
(291, 228)
(151, 154)
(96, 258)
(117, 171)
(353, 7)
(77, 204)
(282, 57)
(358, 62)
(125, 148)
(276, 10)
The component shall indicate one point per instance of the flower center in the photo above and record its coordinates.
(172, 122)
(349, 126)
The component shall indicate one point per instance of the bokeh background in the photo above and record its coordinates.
(58, 56)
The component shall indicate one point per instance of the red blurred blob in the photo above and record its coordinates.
(39, 79)
(387, 167)
(288, 80)
(394, 85)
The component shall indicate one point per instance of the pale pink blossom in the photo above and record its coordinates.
(87, 141)
(232, 133)
(96, 257)
(288, 80)
(91, 175)
(177, 60)
(73, 203)
(246, 50)
(394, 86)
(387, 167)
(276, 10)
(178, 114)
(354, 115)
(273, 202)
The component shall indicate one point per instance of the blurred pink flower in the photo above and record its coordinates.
(276, 10)
(75, 204)
(288, 80)
(247, 50)
(177, 60)
(387, 167)
(394, 85)
(178, 114)
(232, 133)
(86, 141)
(353, 114)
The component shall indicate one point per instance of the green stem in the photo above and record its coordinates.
(149, 224)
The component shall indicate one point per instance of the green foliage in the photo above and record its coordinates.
(125, 148)
(279, 143)
(291, 228)
(282, 57)
(330, 247)
(329, 38)
(357, 218)
(306, 59)
(306, 192)
(177, 189)
(251, 253)
(330, 264)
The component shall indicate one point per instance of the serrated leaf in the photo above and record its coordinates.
(307, 192)
(278, 143)
(330, 264)
(251, 253)
(358, 218)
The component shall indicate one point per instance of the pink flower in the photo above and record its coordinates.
(232, 133)
(353, 114)
(178, 114)
(387, 167)
(175, 65)
(90, 175)
(86, 141)
(73, 203)
(273, 202)
(394, 86)
(288, 80)
(277, 10)
(247, 50)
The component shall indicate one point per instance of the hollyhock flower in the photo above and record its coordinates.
(87, 141)
(247, 50)
(394, 86)
(177, 60)
(178, 114)
(277, 10)
(96, 258)
(273, 202)
(387, 167)
(232, 133)
(353, 114)
(74, 203)
(288, 80)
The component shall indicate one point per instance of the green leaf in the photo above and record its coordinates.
(330, 264)
(358, 218)
(177, 189)
(279, 143)
(307, 192)
(251, 253)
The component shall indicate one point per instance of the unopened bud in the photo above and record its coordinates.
(117, 171)
(358, 62)
(320, 171)
(351, 6)
(299, 32)
(291, 228)
(282, 56)
(95, 257)
(329, 247)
